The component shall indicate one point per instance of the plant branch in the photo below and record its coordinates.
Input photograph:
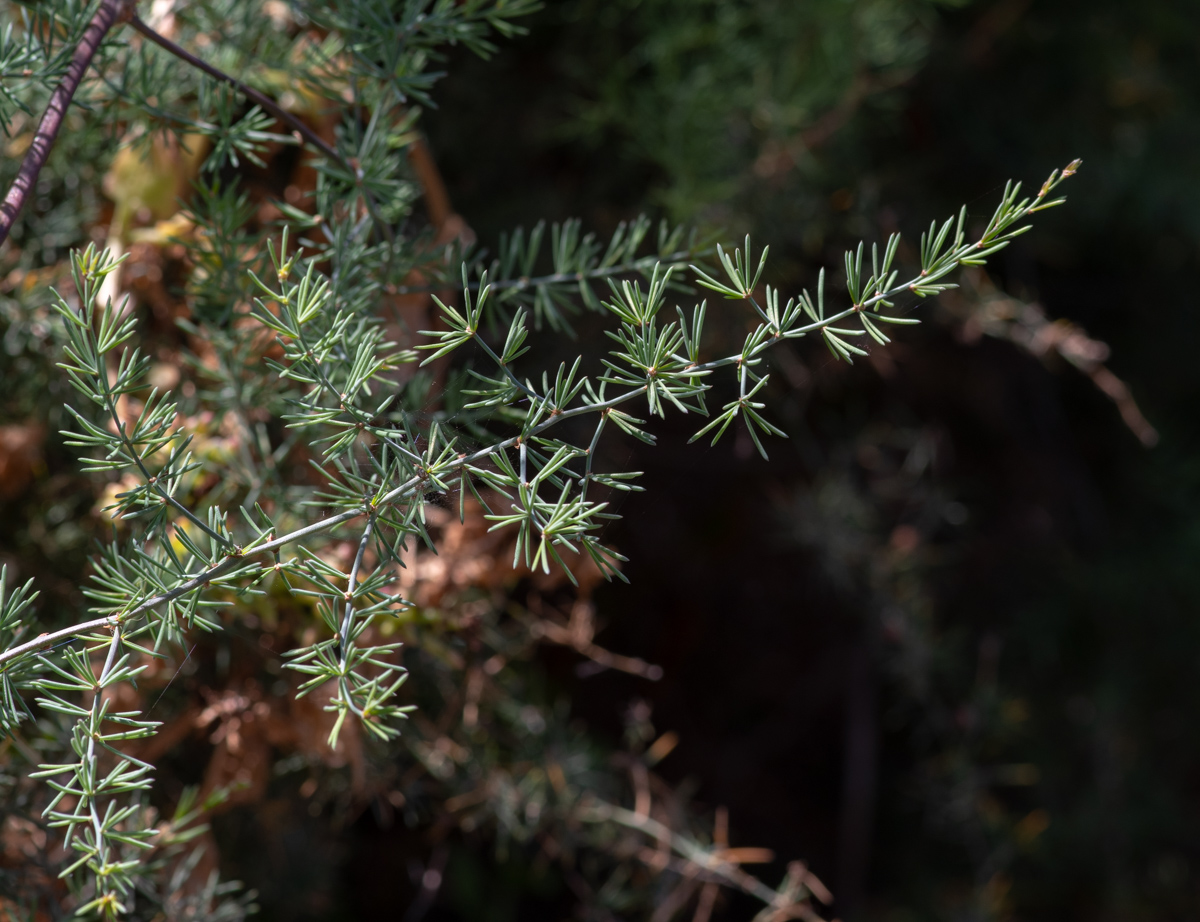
(97, 713)
(261, 99)
(229, 563)
(110, 405)
(411, 486)
(344, 642)
(48, 639)
(199, 579)
(109, 13)
(557, 278)
(504, 367)
(922, 285)
(268, 105)
(710, 861)
(350, 584)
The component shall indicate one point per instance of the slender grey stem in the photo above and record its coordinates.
(508, 371)
(344, 639)
(197, 581)
(111, 406)
(47, 131)
(349, 408)
(48, 639)
(97, 704)
(352, 582)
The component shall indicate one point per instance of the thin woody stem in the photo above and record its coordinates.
(269, 105)
(350, 584)
(97, 710)
(249, 92)
(706, 859)
(109, 13)
(50, 638)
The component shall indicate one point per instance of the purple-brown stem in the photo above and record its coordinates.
(268, 105)
(249, 92)
(47, 130)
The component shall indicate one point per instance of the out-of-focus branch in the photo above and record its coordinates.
(109, 13)
(579, 635)
(780, 156)
(984, 310)
(720, 864)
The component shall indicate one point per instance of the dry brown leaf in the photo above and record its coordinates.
(20, 456)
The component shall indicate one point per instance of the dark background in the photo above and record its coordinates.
(998, 651)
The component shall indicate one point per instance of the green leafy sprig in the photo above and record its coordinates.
(378, 462)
